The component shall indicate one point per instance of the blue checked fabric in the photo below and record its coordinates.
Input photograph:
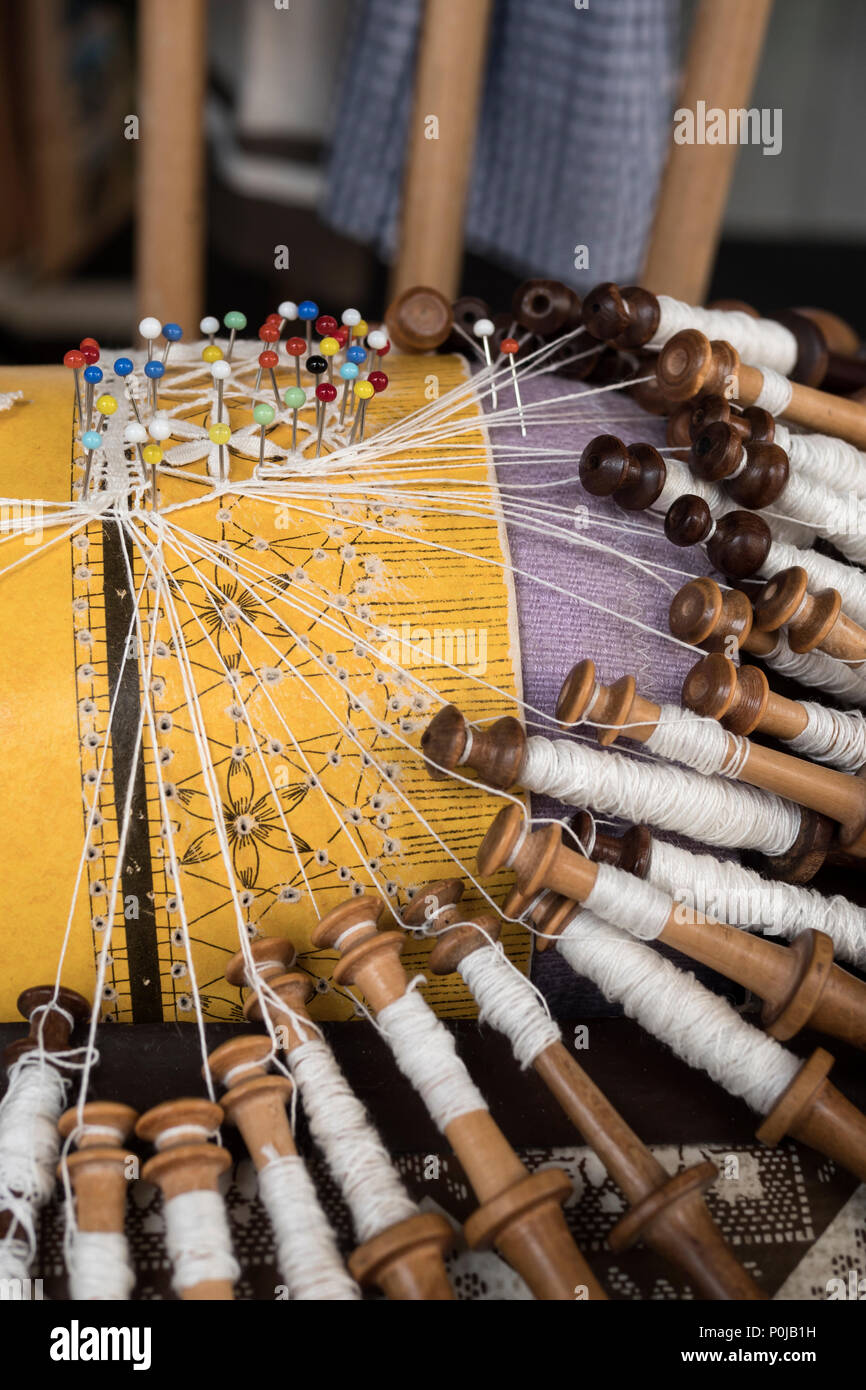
(574, 130)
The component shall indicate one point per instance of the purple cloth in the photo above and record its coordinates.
(556, 631)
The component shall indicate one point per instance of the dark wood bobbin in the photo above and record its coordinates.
(520, 1213)
(813, 356)
(679, 425)
(645, 390)
(810, 620)
(465, 313)
(100, 1169)
(737, 544)
(757, 477)
(186, 1162)
(751, 425)
(495, 754)
(667, 1213)
(799, 984)
(630, 851)
(404, 1260)
(839, 336)
(547, 308)
(741, 699)
(632, 474)
(627, 317)
(419, 319)
(50, 1028)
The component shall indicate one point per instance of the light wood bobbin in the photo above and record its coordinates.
(800, 984)
(667, 1213)
(810, 620)
(708, 616)
(741, 699)
(810, 1110)
(520, 1213)
(618, 708)
(186, 1161)
(406, 1260)
(419, 319)
(100, 1168)
(496, 754)
(690, 364)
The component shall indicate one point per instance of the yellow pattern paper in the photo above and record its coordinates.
(276, 811)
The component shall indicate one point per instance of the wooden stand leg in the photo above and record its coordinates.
(723, 55)
(169, 219)
(448, 87)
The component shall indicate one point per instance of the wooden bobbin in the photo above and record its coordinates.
(753, 474)
(419, 319)
(810, 620)
(100, 1169)
(520, 1213)
(741, 699)
(719, 619)
(799, 984)
(668, 1213)
(839, 336)
(50, 1028)
(496, 754)
(751, 425)
(738, 543)
(619, 708)
(187, 1163)
(546, 307)
(405, 1260)
(811, 1109)
(626, 317)
(256, 1098)
(689, 364)
(633, 474)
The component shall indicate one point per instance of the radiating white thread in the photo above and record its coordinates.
(353, 1150)
(307, 1253)
(730, 892)
(197, 1239)
(833, 462)
(700, 1027)
(775, 393)
(15, 1258)
(710, 809)
(837, 737)
(426, 1054)
(636, 905)
(824, 573)
(29, 1149)
(99, 1268)
(507, 1001)
(760, 342)
(818, 670)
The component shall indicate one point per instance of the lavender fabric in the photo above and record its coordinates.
(556, 630)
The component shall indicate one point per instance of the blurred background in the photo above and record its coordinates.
(301, 110)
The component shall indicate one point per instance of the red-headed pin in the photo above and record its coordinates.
(510, 347)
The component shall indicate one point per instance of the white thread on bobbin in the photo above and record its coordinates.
(817, 670)
(760, 342)
(29, 1148)
(99, 1268)
(637, 906)
(198, 1241)
(426, 1055)
(508, 1002)
(672, 798)
(698, 1025)
(729, 892)
(679, 481)
(837, 737)
(307, 1253)
(834, 462)
(353, 1150)
(775, 393)
(183, 1134)
(840, 519)
(684, 737)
